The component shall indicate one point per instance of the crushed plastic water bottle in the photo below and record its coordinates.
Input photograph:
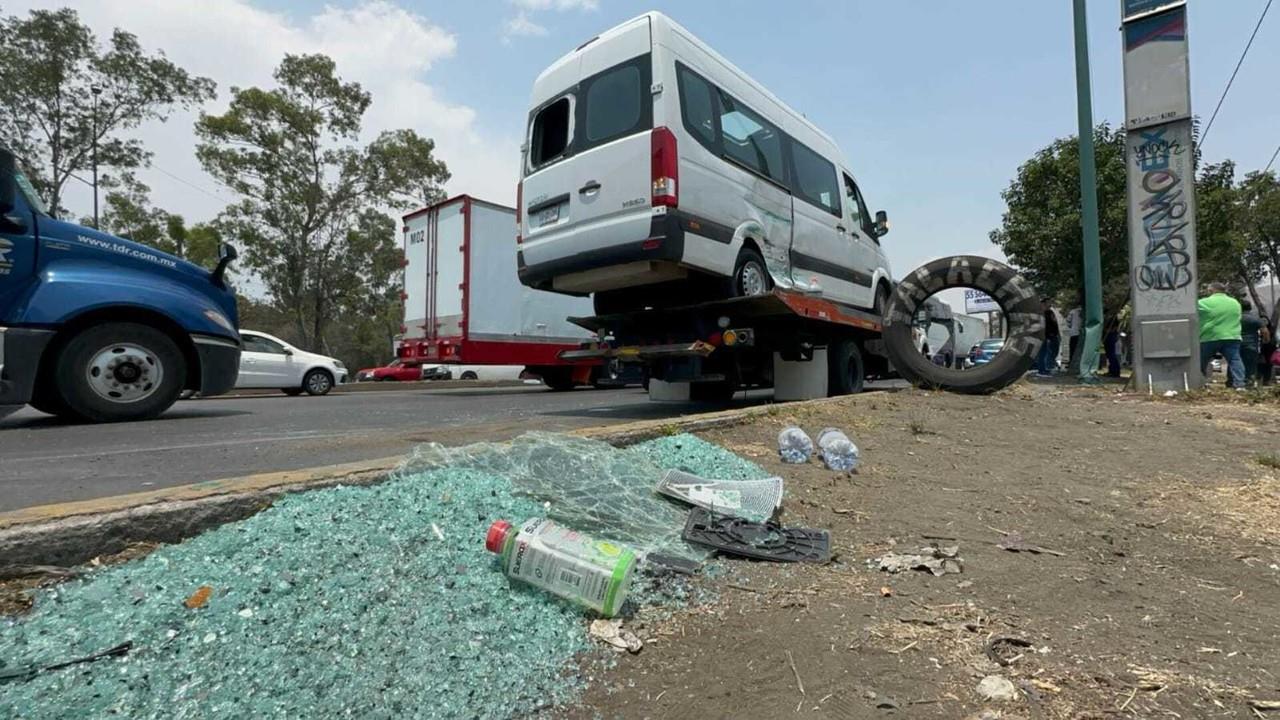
(794, 445)
(837, 450)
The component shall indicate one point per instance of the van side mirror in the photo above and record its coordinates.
(8, 182)
(882, 223)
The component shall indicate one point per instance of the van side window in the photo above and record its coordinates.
(858, 208)
(750, 139)
(697, 107)
(815, 179)
(613, 103)
(550, 136)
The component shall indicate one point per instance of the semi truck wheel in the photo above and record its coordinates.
(846, 371)
(1017, 299)
(317, 382)
(118, 372)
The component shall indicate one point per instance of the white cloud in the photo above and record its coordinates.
(556, 4)
(386, 48)
(522, 26)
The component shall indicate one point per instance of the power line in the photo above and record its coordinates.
(1227, 89)
(212, 194)
(1273, 160)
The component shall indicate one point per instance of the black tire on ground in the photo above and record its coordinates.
(1017, 300)
(317, 382)
(846, 372)
(146, 366)
(750, 275)
(291, 392)
(469, 375)
(559, 379)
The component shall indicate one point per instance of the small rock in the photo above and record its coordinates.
(998, 688)
(246, 613)
(210, 637)
(964, 584)
(985, 715)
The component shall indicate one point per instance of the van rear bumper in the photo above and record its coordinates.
(665, 242)
(219, 364)
(20, 351)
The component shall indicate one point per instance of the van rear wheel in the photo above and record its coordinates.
(750, 275)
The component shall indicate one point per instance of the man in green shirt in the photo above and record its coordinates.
(1220, 332)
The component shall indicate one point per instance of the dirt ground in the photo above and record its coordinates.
(1155, 593)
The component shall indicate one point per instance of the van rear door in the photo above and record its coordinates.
(587, 178)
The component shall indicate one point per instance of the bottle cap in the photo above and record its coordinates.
(497, 536)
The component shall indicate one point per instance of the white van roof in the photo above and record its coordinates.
(660, 25)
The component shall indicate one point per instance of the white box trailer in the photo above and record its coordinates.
(464, 303)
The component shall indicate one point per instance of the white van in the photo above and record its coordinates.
(655, 172)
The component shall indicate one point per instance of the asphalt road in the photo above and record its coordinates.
(44, 461)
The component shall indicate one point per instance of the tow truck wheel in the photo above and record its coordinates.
(846, 373)
(119, 371)
(750, 276)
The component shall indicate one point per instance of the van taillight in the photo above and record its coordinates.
(665, 168)
(519, 209)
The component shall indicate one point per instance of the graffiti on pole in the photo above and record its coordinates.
(1162, 204)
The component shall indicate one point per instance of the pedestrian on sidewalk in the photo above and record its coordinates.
(1111, 342)
(1220, 332)
(1251, 329)
(1048, 359)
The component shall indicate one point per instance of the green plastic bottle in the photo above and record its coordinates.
(565, 562)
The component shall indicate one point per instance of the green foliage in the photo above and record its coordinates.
(1041, 231)
(127, 212)
(49, 65)
(311, 217)
(1237, 225)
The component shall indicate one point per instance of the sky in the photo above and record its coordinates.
(935, 102)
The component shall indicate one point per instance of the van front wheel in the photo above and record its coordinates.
(750, 275)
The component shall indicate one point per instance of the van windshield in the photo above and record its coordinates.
(602, 108)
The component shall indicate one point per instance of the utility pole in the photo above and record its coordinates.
(1159, 155)
(1092, 334)
(96, 91)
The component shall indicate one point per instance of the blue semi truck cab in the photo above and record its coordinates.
(97, 328)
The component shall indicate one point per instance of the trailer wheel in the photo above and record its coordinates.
(558, 379)
(1011, 291)
(846, 371)
(118, 372)
(470, 375)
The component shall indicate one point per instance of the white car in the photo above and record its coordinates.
(655, 172)
(269, 362)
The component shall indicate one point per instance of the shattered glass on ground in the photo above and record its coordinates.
(345, 601)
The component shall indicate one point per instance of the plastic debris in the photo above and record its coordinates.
(749, 499)
(359, 608)
(937, 560)
(30, 672)
(998, 688)
(794, 445)
(1013, 542)
(564, 562)
(611, 633)
(198, 598)
(837, 450)
(761, 541)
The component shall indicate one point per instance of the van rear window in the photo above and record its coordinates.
(609, 105)
(550, 132)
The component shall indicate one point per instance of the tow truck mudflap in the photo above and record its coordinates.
(20, 351)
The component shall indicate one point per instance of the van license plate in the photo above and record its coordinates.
(548, 216)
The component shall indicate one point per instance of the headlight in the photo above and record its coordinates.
(338, 364)
(220, 320)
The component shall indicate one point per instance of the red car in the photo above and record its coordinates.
(398, 370)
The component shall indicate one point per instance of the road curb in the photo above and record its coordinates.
(67, 534)
(352, 388)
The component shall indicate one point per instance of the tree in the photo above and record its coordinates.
(1040, 232)
(311, 215)
(50, 64)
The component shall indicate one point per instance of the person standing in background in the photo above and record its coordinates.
(1111, 342)
(1220, 332)
(1251, 329)
(1048, 359)
(1075, 324)
(1268, 349)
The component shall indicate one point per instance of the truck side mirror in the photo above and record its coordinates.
(882, 223)
(226, 254)
(8, 182)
